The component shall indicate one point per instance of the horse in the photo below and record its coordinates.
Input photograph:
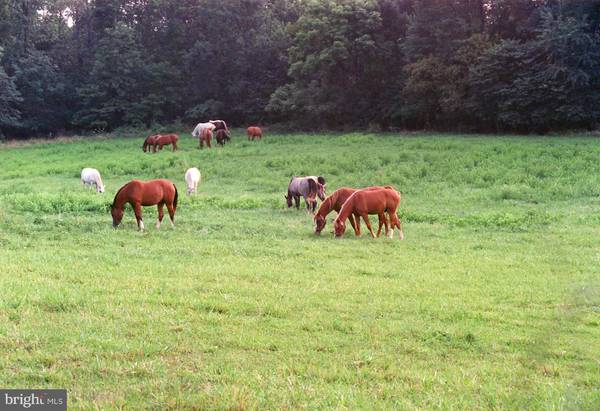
(149, 143)
(254, 132)
(308, 187)
(335, 202)
(219, 125)
(192, 179)
(222, 136)
(371, 201)
(205, 137)
(201, 126)
(91, 176)
(161, 140)
(145, 193)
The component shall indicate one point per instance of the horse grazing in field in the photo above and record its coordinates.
(145, 193)
(205, 137)
(219, 125)
(371, 201)
(222, 136)
(335, 202)
(91, 176)
(254, 132)
(161, 140)
(212, 125)
(192, 179)
(308, 187)
(149, 143)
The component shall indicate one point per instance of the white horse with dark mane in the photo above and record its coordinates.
(91, 177)
(192, 179)
(309, 187)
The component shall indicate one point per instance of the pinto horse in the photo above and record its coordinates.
(205, 137)
(308, 187)
(372, 200)
(145, 193)
(254, 132)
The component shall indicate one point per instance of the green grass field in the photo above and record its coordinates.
(491, 302)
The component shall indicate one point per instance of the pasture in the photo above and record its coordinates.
(491, 302)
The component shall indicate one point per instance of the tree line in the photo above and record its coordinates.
(468, 65)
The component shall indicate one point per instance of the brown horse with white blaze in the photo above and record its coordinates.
(335, 202)
(145, 193)
(371, 201)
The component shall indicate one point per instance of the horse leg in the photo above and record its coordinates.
(383, 220)
(368, 223)
(352, 223)
(160, 215)
(398, 224)
(137, 209)
(174, 146)
(297, 201)
(171, 213)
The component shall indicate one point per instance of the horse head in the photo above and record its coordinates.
(288, 199)
(339, 227)
(117, 215)
(320, 222)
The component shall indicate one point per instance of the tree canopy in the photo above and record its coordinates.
(502, 65)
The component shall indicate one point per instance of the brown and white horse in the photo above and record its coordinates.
(205, 137)
(145, 193)
(254, 132)
(371, 201)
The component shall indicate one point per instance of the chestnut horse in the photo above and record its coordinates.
(205, 137)
(254, 132)
(371, 201)
(222, 135)
(335, 202)
(145, 193)
(149, 143)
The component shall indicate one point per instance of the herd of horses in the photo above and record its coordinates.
(350, 204)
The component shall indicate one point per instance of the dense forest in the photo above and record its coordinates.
(469, 65)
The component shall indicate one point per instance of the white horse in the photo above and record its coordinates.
(192, 179)
(200, 126)
(91, 176)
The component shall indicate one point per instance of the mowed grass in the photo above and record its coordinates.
(491, 302)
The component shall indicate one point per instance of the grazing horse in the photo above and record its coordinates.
(91, 176)
(219, 125)
(192, 179)
(254, 132)
(205, 137)
(149, 143)
(308, 187)
(371, 201)
(222, 136)
(161, 140)
(145, 193)
(335, 202)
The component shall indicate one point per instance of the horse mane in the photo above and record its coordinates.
(312, 187)
(116, 195)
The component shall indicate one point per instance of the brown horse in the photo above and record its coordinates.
(205, 136)
(149, 143)
(222, 136)
(254, 132)
(161, 140)
(335, 202)
(145, 193)
(371, 201)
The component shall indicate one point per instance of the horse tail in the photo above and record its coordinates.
(175, 198)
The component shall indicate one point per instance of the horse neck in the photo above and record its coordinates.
(120, 200)
(325, 207)
(346, 209)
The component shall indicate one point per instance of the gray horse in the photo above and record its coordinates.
(308, 187)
